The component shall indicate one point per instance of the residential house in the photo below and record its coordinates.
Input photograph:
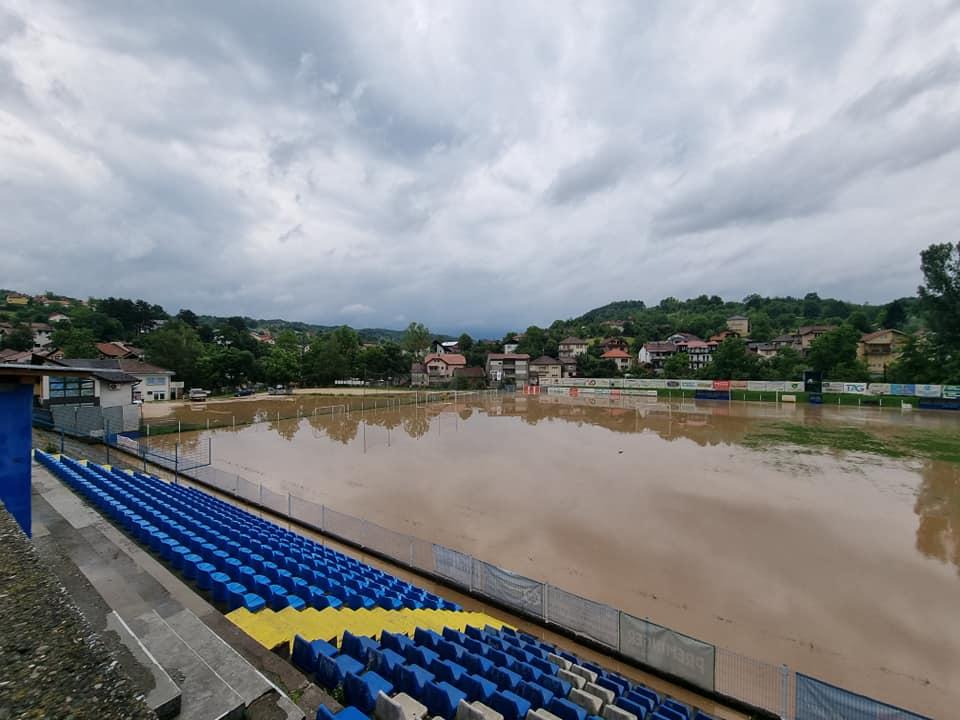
(154, 381)
(568, 367)
(41, 335)
(809, 333)
(16, 356)
(58, 318)
(545, 367)
(790, 340)
(615, 343)
(418, 374)
(699, 353)
(511, 346)
(440, 367)
(119, 351)
(474, 377)
(510, 368)
(682, 337)
(442, 347)
(739, 324)
(880, 349)
(47, 302)
(763, 349)
(108, 386)
(723, 335)
(655, 353)
(571, 348)
(17, 299)
(263, 336)
(620, 358)
(151, 382)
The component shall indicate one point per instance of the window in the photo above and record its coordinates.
(156, 380)
(62, 388)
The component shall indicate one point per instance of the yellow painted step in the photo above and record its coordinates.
(273, 629)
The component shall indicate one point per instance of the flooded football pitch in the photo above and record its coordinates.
(838, 556)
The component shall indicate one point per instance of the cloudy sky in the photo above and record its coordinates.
(477, 165)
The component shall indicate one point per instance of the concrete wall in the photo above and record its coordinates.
(114, 398)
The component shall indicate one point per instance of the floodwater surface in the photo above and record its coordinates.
(844, 565)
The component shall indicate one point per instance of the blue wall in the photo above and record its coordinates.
(16, 402)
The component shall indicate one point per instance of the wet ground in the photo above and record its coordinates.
(844, 565)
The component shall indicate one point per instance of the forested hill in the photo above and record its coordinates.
(769, 316)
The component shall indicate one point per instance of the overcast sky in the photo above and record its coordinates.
(474, 165)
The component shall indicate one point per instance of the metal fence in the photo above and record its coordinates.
(818, 700)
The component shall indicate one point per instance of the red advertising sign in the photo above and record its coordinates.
(721, 384)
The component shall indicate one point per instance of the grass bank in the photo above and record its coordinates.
(920, 444)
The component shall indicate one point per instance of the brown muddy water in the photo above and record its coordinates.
(843, 565)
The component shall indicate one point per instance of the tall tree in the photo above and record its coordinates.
(175, 346)
(940, 293)
(677, 365)
(416, 338)
(19, 338)
(835, 355)
(74, 342)
(732, 361)
(465, 342)
(894, 315)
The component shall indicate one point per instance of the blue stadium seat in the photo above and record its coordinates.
(361, 690)
(348, 713)
(442, 699)
(566, 710)
(413, 680)
(332, 670)
(509, 704)
(537, 695)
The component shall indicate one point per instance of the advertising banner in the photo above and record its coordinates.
(878, 389)
(738, 384)
(721, 384)
(817, 700)
(672, 384)
(855, 388)
(908, 389)
(756, 385)
(667, 650)
(775, 386)
(793, 386)
(689, 384)
(951, 392)
(928, 391)
(833, 387)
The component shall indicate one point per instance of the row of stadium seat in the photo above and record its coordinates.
(245, 561)
(496, 674)
(242, 560)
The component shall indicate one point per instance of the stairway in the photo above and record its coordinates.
(274, 629)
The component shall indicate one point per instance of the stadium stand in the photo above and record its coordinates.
(397, 652)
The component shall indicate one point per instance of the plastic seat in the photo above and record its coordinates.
(566, 710)
(537, 695)
(560, 688)
(361, 690)
(505, 679)
(447, 671)
(477, 688)
(510, 705)
(413, 680)
(357, 646)
(442, 699)
(348, 713)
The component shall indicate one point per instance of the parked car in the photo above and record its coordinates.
(197, 395)
(243, 392)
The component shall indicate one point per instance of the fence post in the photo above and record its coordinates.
(107, 439)
(61, 442)
(176, 463)
(784, 690)
(323, 518)
(411, 553)
(545, 603)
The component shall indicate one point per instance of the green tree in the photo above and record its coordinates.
(416, 339)
(281, 365)
(787, 364)
(940, 294)
(859, 321)
(917, 363)
(731, 361)
(74, 342)
(175, 346)
(221, 367)
(835, 355)
(465, 342)
(19, 338)
(894, 315)
(677, 365)
(189, 317)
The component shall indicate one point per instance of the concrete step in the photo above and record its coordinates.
(240, 675)
(205, 695)
(162, 695)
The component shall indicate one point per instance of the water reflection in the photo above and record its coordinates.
(938, 507)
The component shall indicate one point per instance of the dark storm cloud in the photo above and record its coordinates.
(471, 165)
